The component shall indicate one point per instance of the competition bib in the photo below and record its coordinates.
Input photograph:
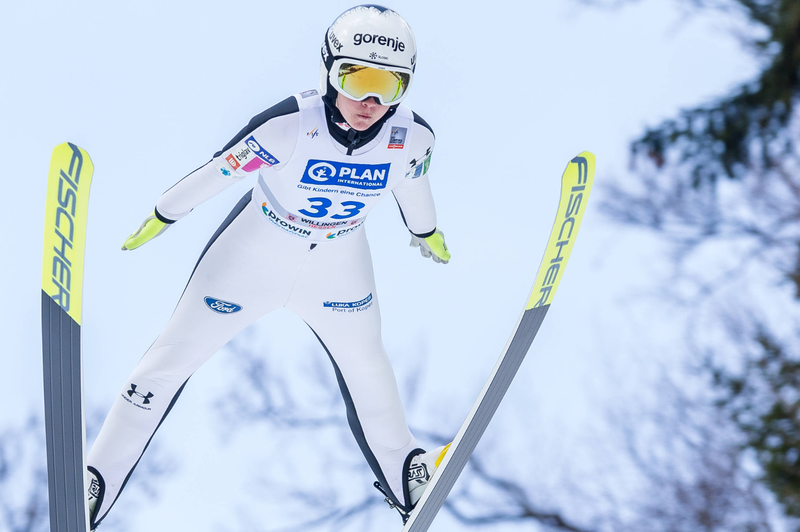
(322, 194)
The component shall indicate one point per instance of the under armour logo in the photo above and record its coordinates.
(146, 398)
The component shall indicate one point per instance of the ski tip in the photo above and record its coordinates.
(588, 156)
(70, 148)
(576, 184)
(69, 179)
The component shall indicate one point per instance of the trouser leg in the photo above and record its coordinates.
(342, 309)
(231, 286)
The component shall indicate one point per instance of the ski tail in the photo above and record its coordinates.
(69, 179)
(576, 184)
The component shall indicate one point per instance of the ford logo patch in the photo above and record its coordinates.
(223, 307)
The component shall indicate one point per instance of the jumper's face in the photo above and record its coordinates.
(360, 115)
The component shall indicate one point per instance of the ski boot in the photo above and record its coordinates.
(93, 494)
(419, 468)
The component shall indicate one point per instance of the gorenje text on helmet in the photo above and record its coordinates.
(392, 42)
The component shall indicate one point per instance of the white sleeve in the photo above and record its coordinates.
(268, 140)
(413, 194)
(202, 184)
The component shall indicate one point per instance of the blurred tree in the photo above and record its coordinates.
(685, 457)
(728, 136)
(748, 137)
(672, 463)
(724, 178)
(23, 477)
(484, 498)
(692, 472)
(764, 400)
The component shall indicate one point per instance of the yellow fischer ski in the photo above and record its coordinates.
(576, 184)
(62, 284)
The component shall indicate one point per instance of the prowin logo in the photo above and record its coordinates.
(341, 232)
(392, 42)
(283, 224)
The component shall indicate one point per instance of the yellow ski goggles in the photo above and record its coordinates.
(359, 80)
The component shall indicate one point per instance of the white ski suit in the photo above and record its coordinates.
(277, 248)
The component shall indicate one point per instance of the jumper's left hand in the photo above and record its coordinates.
(151, 227)
(432, 246)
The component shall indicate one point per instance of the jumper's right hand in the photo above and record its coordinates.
(432, 246)
(150, 228)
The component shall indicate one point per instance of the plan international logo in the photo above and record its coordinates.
(363, 176)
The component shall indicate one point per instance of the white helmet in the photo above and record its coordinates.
(369, 51)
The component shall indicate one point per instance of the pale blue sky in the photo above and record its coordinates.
(513, 90)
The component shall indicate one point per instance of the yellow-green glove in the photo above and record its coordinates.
(151, 227)
(432, 246)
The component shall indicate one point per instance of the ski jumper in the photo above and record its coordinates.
(303, 219)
